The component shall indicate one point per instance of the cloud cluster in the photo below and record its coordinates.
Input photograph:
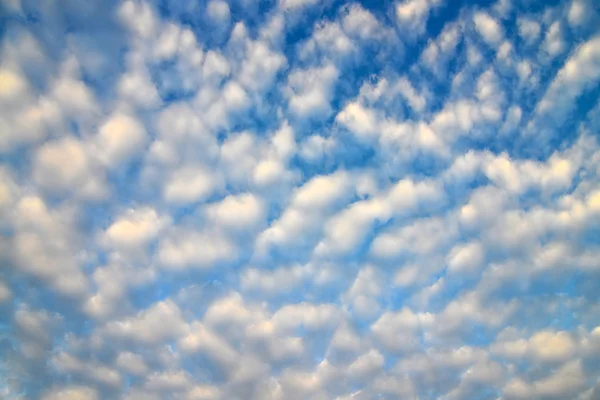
(299, 200)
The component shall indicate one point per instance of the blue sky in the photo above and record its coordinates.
(299, 199)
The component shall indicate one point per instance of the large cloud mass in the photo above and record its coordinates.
(299, 200)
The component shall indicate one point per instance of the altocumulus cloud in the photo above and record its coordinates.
(299, 199)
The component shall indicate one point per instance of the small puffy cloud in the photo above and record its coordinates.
(366, 365)
(553, 43)
(74, 392)
(79, 175)
(364, 293)
(202, 340)
(261, 66)
(564, 382)
(362, 23)
(184, 248)
(238, 212)
(295, 4)
(348, 228)
(489, 29)
(131, 363)
(412, 15)
(399, 331)
(311, 91)
(280, 281)
(359, 120)
(542, 347)
(309, 203)
(45, 245)
(571, 81)
(168, 381)
(215, 67)
(74, 97)
(119, 139)
(310, 316)
(577, 13)
(466, 258)
(162, 321)
(137, 86)
(99, 373)
(529, 29)
(422, 237)
(135, 229)
(189, 184)
(5, 292)
(12, 85)
(219, 11)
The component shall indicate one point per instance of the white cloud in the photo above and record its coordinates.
(44, 245)
(112, 282)
(579, 71)
(361, 121)
(577, 13)
(413, 14)
(261, 66)
(311, 91)
(280, 281)
(361, 23)
(135, 229)
(553, 43)
(237, 212)
(466, 258)
(101, 374)
(309, 203)
(310, 316)
(364, 292)
(399, 331)
(239, 155)
(529, 29)
(421, 237)
(542, 347)
(131, 363)
(139, 17)
(73, 96)
(209, 203)
(201, 339)
(12, 85)
(160, 322)
(75, 392)
(79, 175)
(183, 248)
(295, 4)
(119, 139)
(565, 381)
(489, 29)
(215, 67)
(170, 381)
(366, 365)
(189, 184)
(440, 51)
(315, 147)
(416, 100)
(137, 87)
(5, 292)
(345, 230)
(218, 11)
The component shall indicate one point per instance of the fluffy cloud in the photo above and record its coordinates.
(53, 174)
(119, 138)
(488, 28)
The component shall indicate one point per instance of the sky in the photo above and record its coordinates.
(299, 199)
